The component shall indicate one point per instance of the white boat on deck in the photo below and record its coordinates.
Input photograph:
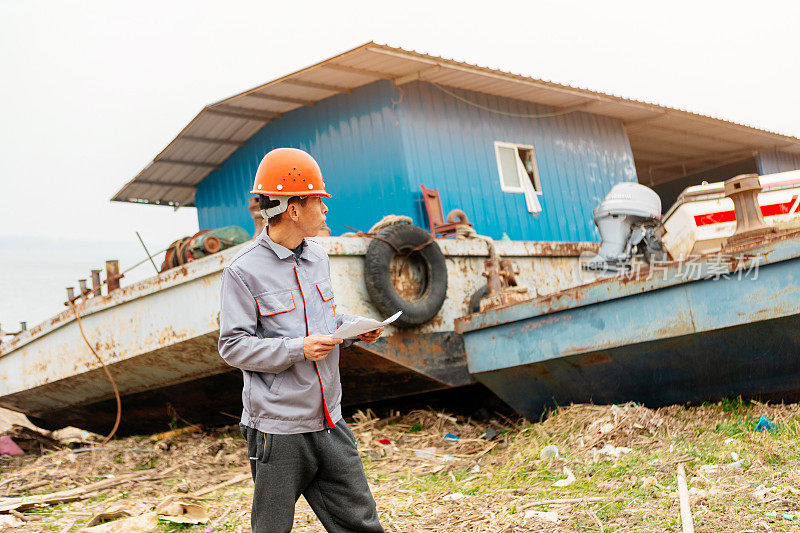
(702, 217)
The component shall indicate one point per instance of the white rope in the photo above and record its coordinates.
(390, 220)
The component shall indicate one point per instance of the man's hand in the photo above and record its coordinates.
(317, 347)
(371, 336)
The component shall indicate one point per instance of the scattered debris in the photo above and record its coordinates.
(10, 522)
(548, 452)
(9, 447)
(31, 440)
(118, 510)
(136, 524)
(489, 434)
(711, 470)
(764, 424)
(451, 438)
(569, 480)
(423, 483)
(433, 453)
(548, 516)
(26, 502)
(176, 432)
(72, 435)
(180, 510)
(762, 491)
(613, 451)
(683, 493)
(213, 488)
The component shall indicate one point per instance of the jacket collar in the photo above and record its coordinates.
(283, 252)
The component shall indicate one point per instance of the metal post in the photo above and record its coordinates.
(112, 275)
(492, 275)
(23, 326)
(96, 287)
(83, 288)
(743, 190)
(70, 294)
(508, 272)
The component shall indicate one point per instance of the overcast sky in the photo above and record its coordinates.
(92, 91)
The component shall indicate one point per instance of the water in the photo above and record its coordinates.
(35, 271)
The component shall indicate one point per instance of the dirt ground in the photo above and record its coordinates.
(615, 471)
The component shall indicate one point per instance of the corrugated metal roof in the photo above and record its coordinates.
(667, 143)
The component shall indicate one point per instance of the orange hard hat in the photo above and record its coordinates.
(289, 172)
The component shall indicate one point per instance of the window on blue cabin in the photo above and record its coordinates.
(516, 166)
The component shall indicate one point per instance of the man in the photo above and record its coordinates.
(277, 314)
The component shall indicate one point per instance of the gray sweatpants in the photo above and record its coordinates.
(323, 466)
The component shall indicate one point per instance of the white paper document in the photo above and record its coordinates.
(350, 330)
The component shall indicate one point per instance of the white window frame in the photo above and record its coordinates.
(537, 184)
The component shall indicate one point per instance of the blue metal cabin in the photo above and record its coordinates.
(381, 121)
(377, 145)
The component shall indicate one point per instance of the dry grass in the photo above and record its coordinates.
(422, 482)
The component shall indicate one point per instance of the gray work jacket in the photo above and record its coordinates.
(269, 302)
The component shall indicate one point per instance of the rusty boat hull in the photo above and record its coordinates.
(731, 328)
(159, 337)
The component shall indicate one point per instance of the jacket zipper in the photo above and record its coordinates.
(327, 420)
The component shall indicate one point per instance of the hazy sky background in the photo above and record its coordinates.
(92, 91)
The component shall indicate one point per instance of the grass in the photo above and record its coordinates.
(736, 474)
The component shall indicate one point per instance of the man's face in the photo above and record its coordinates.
(311, 216)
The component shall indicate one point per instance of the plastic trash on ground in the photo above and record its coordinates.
(764, 424)
(9, 447)
(433, 453)
(569, 480)
(613, 451)
(548, 452)
(451, 438)
(489, 434)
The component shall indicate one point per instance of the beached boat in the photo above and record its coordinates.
(159, 340)
(705, 326)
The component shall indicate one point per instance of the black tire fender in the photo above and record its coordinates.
(429, 258)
